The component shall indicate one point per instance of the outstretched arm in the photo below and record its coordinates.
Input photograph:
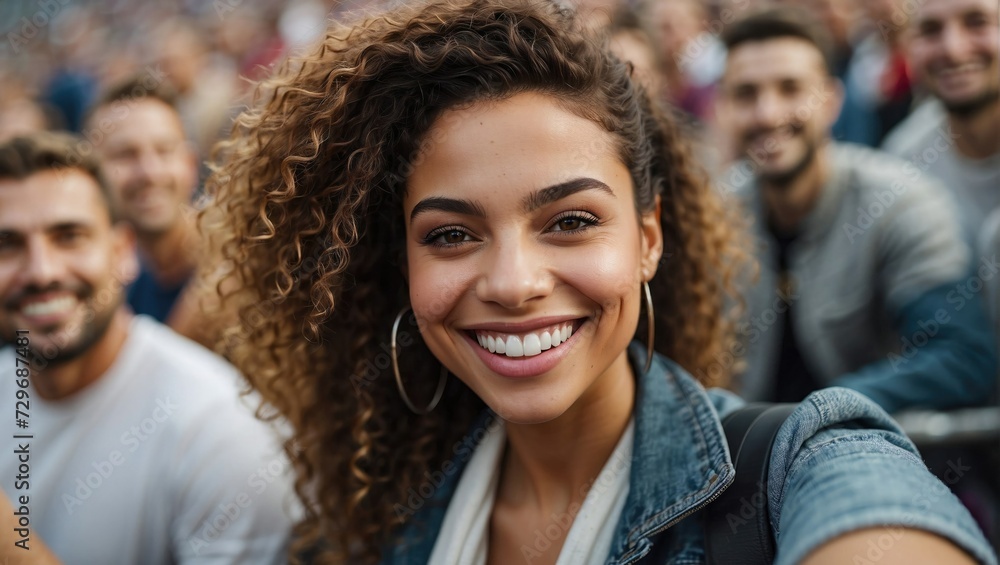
(888, 546)
(30, 552)
(932, 289)
(947, 355)
(845, 485)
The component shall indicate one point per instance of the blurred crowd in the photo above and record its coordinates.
(877, 251)
(59, 54)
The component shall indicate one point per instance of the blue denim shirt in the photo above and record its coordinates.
(839, 463)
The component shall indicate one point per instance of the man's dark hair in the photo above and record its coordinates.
(38, 152)
(775, 23)
(136, 87)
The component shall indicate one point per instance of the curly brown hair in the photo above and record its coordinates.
(308, 216)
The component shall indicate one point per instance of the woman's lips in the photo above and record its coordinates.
(526, 366)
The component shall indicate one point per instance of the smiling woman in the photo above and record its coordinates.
(491, 167)
(535, 244)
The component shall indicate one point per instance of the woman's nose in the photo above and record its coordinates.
(513, 275)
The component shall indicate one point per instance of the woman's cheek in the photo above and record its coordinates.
(605, 274)
(435, 288)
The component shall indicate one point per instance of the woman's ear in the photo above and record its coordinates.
(652, 240)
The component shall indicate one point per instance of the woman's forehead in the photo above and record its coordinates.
(524, 142)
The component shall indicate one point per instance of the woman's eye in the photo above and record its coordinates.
(447, 237)
(569, 224)
(453, 236)
(574, 222)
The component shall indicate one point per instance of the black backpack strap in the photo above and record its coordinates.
(737, 524)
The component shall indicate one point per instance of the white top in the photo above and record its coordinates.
(926, 140)
(464, 535)
(158, 462)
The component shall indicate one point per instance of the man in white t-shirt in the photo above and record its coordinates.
(954, 48)
(122, 441)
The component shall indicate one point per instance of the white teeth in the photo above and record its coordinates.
(525, 345)
(963, 68)
(532, 345)
(514, 347)
(49, 307)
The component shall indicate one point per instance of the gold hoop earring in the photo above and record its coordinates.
(650, 326)
(399, 380)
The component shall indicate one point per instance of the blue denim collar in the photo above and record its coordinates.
(679, 464)
(679, 460)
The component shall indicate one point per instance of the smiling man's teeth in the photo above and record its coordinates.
(48, 307)
(965, 67)
(524, 345)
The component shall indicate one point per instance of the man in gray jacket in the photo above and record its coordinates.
(865, 280)
(954, 49)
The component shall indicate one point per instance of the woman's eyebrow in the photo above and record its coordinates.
(443, 204)
(556, 192)
(530, 203)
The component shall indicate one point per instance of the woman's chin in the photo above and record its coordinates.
(535, 411)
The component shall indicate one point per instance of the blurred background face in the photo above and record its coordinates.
(838, 16)
(596, 13)
(777, 105)
(676, 22)
(20, 116)
(955, 48)
(149, 164)
(61, 262)
(181, 54)
(638, 50)
(888, 13)
(522, 229)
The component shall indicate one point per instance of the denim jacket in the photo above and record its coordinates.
(839, 463)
